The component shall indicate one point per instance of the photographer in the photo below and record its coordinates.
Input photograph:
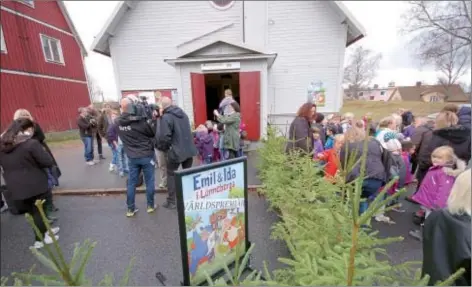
(161, 155)
(137, 136)
(87, 124)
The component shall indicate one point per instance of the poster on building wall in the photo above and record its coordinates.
(212, 211)
(316, 94)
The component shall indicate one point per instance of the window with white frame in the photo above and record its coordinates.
(382, 93)
(52, 49)
(3, 45)
(27, 2)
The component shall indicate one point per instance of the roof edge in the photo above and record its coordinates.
(352, 22)
(212, 42)
(69, 21)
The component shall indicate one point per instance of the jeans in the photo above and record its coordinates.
(223, 154)
(30, 207)
(88, 148)
(99, 144)
(171, 168)
(240, 153)
(122, 159)
(114, 152)
(146, 164)
(370, 187)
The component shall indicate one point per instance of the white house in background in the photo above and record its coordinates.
(267, 52)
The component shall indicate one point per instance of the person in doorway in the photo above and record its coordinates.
(138, 141)
(228, 99)
(95, 115)
(22, 157)
(86, 125)
(175, 138)
(231, 136)
(54, 172)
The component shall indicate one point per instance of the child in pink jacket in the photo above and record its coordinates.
(437, 184)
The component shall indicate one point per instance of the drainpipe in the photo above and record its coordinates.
(244, 24)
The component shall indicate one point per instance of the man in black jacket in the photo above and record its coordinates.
(175, 138)
(138, 142)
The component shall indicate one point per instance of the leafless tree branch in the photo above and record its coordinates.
(361, 69)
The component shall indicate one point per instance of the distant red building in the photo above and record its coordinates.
(41, 64)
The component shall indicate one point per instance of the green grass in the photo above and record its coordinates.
(383, 109)
(55, 139)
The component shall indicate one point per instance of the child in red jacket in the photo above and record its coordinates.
(331, 157)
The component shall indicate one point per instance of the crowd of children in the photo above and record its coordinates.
(393, 135)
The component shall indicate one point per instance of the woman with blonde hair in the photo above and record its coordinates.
(54, 172)
(446, 235)
(446, 132)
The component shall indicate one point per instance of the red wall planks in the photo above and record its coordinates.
(25, 53)
(45, 11)
(54, 104)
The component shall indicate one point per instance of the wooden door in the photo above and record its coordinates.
(198, 98)
(250, 102)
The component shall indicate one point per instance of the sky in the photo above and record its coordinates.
(381, 20)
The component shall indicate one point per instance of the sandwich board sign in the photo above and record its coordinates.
(213, 223)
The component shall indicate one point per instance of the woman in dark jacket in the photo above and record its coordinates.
(446, 132)
(54, 172)
(300, 134)
(24, 162)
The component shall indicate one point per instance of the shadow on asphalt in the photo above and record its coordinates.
(152, 239)
(77, 175)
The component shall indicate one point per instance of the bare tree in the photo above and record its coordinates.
(452, 64)
(361, 70)
(96, 92)
(434, 23)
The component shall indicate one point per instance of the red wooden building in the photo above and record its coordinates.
(41, 64)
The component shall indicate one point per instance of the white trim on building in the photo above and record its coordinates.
(29, 3)
(3, 44)
(13, 72)
(52, 49)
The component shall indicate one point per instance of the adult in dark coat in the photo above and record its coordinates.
(464, 115)
(420, 139)
(446, 236)
(25, 163)
(176, 139)
(300, 133)
(319, 118)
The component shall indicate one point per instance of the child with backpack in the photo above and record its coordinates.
(204, 143)
(437, 184)
(397, 169)
(331, 158)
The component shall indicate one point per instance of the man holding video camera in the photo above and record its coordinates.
(137, 135)
(87, 124)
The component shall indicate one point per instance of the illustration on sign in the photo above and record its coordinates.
(317, 94)
(212, 205)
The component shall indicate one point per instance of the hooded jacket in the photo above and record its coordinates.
(137, 136)
(24, 165)
(457, 137)
(204, 142)
(446, 246)
(437, 184)
(175, 136)
(464, 115)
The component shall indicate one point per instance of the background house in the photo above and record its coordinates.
(372, 94)
(41, 64)
(430, 93)
(267, 52)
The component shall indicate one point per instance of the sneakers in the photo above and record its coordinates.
(131, 213)
(162, 186)
(91, 162)
(101, 157)
(384, 218)
(416, 234)
(47, 239)
(151, 209)
(169, 205)
(112, 167)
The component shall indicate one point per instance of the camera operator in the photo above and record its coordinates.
(137, 136)
(87, 124)
(93, 113)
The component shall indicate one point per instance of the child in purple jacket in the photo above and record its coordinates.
(204, 143)
(437, 184)
(317, 143)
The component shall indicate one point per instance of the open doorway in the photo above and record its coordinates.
(215, 85)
